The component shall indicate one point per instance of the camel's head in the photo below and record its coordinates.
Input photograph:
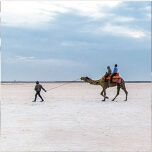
(84, 79)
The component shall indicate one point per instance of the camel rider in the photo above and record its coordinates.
(107, 73)
(38, 88)
(115, 71)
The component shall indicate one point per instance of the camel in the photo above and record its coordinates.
(106, 85)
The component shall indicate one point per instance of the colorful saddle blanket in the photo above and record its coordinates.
(115, 78)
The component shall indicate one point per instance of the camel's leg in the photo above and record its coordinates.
(118, 90)
(104, 95)
(124, 89)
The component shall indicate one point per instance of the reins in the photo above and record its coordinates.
(63, 84)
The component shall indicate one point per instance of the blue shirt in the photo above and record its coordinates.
(115, 70)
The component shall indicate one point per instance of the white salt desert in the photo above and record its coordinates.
(74, 118)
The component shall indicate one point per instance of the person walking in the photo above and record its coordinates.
(38, 88)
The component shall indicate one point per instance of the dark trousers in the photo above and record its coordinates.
(38, 93)
(112, 76)
(106, 76)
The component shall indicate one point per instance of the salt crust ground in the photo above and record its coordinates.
(73, 118)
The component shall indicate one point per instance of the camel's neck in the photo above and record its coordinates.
(94, 82)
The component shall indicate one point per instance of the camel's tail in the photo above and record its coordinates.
(123, 83)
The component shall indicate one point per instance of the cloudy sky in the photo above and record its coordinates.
(64, 40)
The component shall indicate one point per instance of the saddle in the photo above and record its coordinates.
(115, 78)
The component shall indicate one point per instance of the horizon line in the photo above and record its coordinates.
(146, 81)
